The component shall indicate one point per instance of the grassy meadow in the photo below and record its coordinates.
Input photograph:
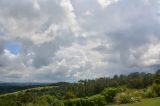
(144, 102)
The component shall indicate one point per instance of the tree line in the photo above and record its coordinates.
(136, 80)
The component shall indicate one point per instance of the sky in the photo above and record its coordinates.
(69, 40)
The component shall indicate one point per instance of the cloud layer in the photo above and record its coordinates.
(68, 40)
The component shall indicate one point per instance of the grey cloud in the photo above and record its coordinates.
(25, 9)
(1, 46)
(18, 9)
(45, 52)
(58, 75)
(78, 40)
(143, 25)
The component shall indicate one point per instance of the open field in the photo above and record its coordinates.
(29, 89)
(145, 102)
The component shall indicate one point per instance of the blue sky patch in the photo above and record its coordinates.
(12, 46)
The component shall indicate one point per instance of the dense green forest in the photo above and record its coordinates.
(119, 89)
(13, 87)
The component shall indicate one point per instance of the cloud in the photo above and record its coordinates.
(1, 46)
(68, 40)
(105, 3)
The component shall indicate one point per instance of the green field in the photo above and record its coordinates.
(145, 102)
(29, 89)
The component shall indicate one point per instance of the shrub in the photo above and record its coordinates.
(74, 102)
(96, 100)
(152, 91)
(26, 97)
(128, 96)
(34, 104)
(110, 93)
(10, 100)
(48, 100)
(69, 95)
(156, 89)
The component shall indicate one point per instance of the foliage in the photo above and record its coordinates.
(48, 100)
(29, 99)
(152, 91)
(97, 92)
(69, 95)
(144, 102)
(110, 93)
(96, 100)
(128, 96)
(134, 80)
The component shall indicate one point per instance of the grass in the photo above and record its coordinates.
(145, 102)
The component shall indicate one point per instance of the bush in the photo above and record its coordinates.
(96, 100)
(128, 96)
(110, 93)
(152, 91)
(26, 97)
(75, 102)
(4, 102)
(33, 104)
(69, 95)
(47, 100)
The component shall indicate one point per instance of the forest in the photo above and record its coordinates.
(120, 89)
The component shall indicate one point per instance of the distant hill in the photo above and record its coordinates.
(20, 84)
(8, 87)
